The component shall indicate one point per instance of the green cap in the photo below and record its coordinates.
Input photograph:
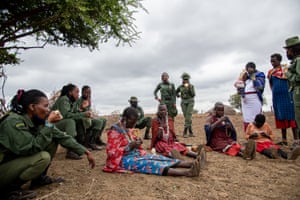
(292, 41)
(133, 99)
(185, 76)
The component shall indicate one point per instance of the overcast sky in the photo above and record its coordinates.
(212, 40)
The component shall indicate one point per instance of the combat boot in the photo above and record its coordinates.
(99, 141)
(147, 136)
(185, 135)
(191, 132)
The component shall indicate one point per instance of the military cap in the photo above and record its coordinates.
(292, 41)
(185, 76)
(133, 99)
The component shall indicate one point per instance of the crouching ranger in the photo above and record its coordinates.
(28, 142)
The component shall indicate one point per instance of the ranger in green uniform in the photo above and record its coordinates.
(28, 142)
(142, 121)
(293, 74)
(71, 119)
(187, 93)
(92, 128)
(167, 93)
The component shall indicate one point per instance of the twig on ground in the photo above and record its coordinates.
(90, 188)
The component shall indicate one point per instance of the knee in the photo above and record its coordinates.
(45, 158)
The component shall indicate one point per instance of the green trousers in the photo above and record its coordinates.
(296, 96)
(187, 107)
(95, 126)
(68, 126)
(145, 122)
(26, 168)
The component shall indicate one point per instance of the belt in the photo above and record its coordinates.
(250, 92)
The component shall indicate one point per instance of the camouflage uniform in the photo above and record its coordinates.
(187, 93)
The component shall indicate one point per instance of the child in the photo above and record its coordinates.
(240, 83)
(261, 133)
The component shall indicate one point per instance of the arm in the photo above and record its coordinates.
(156, 90)
(18, 138)
(178, 91)
(154, 131)
(293, 73)
(116, 143)
(192, 90)
(65, 108)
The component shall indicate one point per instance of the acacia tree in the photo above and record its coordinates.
(77, 23)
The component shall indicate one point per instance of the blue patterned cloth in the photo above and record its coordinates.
(147, 164)
(282, 99)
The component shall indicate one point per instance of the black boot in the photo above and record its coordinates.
(191, 132)
(91, 140)
(185, 135)
(43, 179)
(99, 140)
(72, 155)
(147, 136)
(14, 191)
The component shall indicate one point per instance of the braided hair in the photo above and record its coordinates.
(21, 101)
(66, 89)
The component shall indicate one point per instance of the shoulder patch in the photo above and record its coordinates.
(20, 125)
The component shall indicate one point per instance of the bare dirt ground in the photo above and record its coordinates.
(224, 177)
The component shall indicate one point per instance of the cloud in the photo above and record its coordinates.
(211, 40)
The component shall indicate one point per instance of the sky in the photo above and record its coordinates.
(212, 40)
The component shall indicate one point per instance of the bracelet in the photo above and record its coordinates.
(48, 124)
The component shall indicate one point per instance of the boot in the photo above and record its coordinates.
(91, 140)
(147, 136)
(191, 132)
(43, 179)
(99, 141)
(185, 135)
(72, 155)
(14, 191)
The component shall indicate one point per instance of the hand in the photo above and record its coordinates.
(88, 114)
(253, 136)
(263, 134)
(135, 143)
(54, 116)
(85, 104)
(90, 158)
(160, 132)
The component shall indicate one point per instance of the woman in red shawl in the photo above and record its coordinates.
(163, 135)
(125, 153)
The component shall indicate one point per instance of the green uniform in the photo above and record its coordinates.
(94, 125)
(168, 97)
(293, 75)
(26, 150)
(187, 95)
(67, 124)
(142, 121)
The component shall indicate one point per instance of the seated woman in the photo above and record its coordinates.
(125, 153)
(221, 135)
(72, 118)
(261, 132)
(28, 143)
(164, 138)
